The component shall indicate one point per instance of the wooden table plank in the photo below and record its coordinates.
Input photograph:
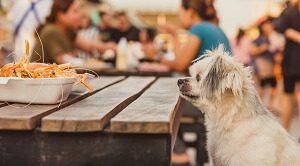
(95, 112)
(17, 118)
(153, 112)
(2, 104)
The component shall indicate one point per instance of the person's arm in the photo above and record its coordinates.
(60, 58)
(256, 50)
(90, 46)
(292, 35)
(184, 54)
(282, 23)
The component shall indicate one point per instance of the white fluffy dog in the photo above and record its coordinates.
(240, 131)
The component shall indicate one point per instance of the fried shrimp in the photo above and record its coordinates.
(24, 69)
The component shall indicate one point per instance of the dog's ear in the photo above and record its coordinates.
(234, 82)
(222, 76)
(212, 82)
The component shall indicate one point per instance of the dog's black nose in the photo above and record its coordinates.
(180, 82)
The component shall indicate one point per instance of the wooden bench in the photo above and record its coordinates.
(124, 121)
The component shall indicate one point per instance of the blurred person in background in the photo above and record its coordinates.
(89, 33)
(149, 48)
(87, 30)
(241, 45)
(194, 16)
(213, 12)
(107, 31)
(59, 35)
(26, 16)
(89, 36)
(1, 57)
(264, 48)
(127, 30)
(288, 24)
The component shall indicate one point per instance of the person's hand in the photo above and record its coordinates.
(263, 47)
(102, 47)
(168, 28)
(150, 51)
(258, 50)
(111, 46)
(293, 35)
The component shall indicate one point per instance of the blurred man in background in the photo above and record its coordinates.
(107, 31)
(127, 30)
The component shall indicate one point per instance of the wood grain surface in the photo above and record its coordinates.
(93, 113)
(153, 112)
(27, 117)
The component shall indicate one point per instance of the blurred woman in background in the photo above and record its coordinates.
(241, 45)
(149, 48)
(59, 34)
(194, 16)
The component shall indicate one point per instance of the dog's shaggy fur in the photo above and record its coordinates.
(240, 131)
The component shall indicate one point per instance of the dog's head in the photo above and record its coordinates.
(214, 77)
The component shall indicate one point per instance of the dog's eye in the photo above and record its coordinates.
(198, 77)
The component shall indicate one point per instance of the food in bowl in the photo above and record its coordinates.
(38, 83)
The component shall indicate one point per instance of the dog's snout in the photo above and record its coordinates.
(183, 85)
(180, 82)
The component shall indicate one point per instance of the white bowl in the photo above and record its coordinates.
(35, 90)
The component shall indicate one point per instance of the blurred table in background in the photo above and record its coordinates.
(116, 72)
(144, 69)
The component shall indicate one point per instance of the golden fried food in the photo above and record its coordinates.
(24, 69)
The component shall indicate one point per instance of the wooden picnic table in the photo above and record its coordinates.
(124, 121)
